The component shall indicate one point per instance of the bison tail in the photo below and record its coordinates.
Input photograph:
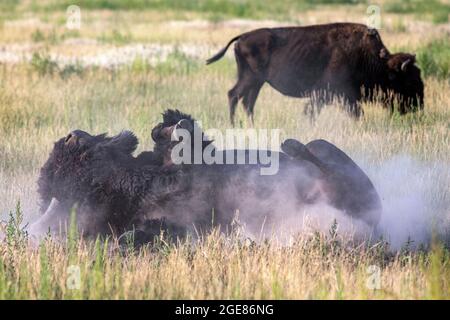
(221, 53)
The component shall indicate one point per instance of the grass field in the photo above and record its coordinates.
(129, 61)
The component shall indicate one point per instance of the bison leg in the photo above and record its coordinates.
(352, 98)
(354, 108)
(248, 88)
(250, 98)
(298, 150)
(348, 187)
(315, 104)
(233, 99)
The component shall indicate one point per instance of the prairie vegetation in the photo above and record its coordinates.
(129, 61)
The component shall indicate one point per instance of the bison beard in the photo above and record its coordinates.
(320, 62)
(115, 191)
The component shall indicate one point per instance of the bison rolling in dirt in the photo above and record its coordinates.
(322, 61)
(114, 192)
(311, 174)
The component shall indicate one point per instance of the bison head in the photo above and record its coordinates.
(167, 133)
(405, 81)
(77, 161)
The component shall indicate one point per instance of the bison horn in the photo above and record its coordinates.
(405, 64)
(184, 125)
(54, 203)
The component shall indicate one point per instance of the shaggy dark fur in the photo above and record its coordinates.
(100, 177)
(320, 62)
(162, 134)
(341, 182)
(115, 192)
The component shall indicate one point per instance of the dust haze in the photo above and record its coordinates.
(416, 206)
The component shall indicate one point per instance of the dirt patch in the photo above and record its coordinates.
(106, 57)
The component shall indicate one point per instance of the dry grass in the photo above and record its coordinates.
(35, 110)
(222, 268)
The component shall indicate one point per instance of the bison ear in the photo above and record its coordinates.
(125, 142)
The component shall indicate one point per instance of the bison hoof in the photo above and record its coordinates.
(293, 148)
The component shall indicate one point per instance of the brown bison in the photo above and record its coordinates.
(108, 187)
(114, 192)
(322, 61)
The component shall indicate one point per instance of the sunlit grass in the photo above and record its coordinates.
(320, 266)
(41, 102)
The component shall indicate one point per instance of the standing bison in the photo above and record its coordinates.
(322, 61)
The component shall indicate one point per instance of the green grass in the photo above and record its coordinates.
(216, 9)
(243, 8)
(438, 10)
(9, 5)
(41, 102)
(43, 64)
(53, 36)
(116, 37)
(321, 266)
(434, 59)
(216, 267)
